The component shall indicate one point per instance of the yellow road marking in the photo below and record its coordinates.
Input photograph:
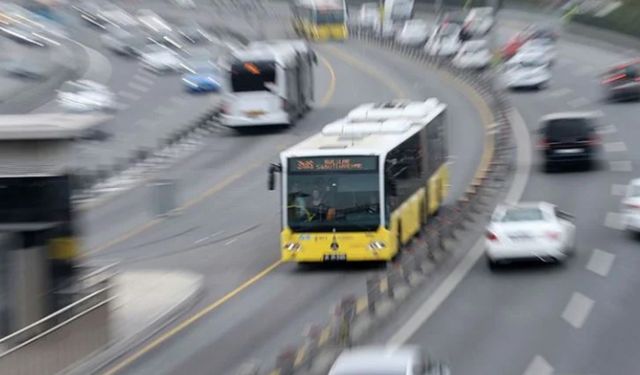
(361, 304)
(324, 336)
(191, 320)
(397, 90)
(332, 82)
(299, 357)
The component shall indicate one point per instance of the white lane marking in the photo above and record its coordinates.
(584, 70)
(521, 176)
(560, 92)
(615, 147)
(607, 129)
(230, 241)
(209, 237)
(538, 366)
(178, 100)
(614, 220)
(618, 190)
(128, 95)
(578, 102)
(163, 111)
(577, 310)
(144, 80)
(600, 262)
(620, 166)
(138, 87)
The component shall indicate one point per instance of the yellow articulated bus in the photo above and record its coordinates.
(365, 185)
(320, 20)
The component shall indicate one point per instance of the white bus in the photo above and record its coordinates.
(270, 83)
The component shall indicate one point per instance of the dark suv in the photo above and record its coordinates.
(568, 138)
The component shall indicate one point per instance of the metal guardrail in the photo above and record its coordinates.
(354, 317)
(55, 342)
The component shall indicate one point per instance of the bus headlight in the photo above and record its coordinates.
(377, 245)
(292, 247)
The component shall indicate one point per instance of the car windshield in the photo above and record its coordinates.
(474, 47)
(567, 128)
(522, 214)
(339, 194)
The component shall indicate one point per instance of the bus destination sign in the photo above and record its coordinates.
(333, 163)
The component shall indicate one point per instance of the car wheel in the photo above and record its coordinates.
(492, 264)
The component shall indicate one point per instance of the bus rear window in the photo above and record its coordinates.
(252, 76)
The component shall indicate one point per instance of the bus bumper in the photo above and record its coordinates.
(262, 120)
(330, 257)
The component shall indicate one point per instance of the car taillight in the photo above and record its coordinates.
(554, 236)
(594, 140)
(491, 236)
(614, 78)
(543, 144)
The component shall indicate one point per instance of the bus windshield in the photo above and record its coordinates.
(252, 76)
(342, 200)
(330, 16)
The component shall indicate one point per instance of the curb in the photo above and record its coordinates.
(99, 361)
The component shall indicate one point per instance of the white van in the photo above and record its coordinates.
(268, 85)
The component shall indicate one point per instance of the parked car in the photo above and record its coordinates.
(473, 54)
(479, 21)
(161, 59)
(29, 68)
(543, 49)
(413, 33)
(445, 40)
(369, 16)
(529, 231)
(622, 81)
(86, 95)
(125, 42)
(568, 138)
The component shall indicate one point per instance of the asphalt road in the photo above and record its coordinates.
(577, 318)
(228, 229)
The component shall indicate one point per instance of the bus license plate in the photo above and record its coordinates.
(334, 257)
(254, 113)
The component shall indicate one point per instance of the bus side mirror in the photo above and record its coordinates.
(273, 169)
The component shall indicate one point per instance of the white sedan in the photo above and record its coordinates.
(631, 206)
(543, 49)
(413, 33)
(445, 40)
(535, 230)
(524, 72)
(161, 59)
(86, 96)
(369, 360)
(473, 54)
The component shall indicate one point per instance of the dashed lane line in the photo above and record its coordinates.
(614, 220)
(607, 129)
(620, 166)
(539, 366)
(578, 102)
(560, 92)
(615, 147)
(600, 262)
(128, 95)
(144, 80)
(138, 87)
(577, 310)
(618, 190)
